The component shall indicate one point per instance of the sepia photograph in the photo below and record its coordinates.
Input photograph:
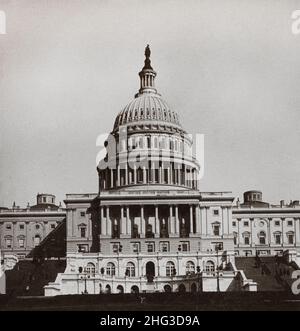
(149, 158)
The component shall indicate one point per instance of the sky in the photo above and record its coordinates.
(231, 69)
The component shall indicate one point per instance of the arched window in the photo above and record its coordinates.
(190, 267)
(170, 268)
(110, 269)
(90, 269)
(130, 269)
(210, 267)
(262, 238)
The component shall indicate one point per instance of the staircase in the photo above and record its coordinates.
(29, 276)
(263, 273)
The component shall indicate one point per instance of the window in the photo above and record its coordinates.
(44, 199)
(21, 242)
(170, 269)
(277, 236)
(52, 226)
(246, 236)
(290, 236)
(37, 240)
(216, 229)
(290, 223)
(234, 223)
(8, 242)
(262, 238)
(164, 246)
(8, 226)
(130, 269)
(216, 212)
(246, 223)
(110, 269)
(21, 226)
(277, 223)
(150, 247)
(190, 267)
(116, 247)
(82, 214)
(235, 238)
(185, 246)
(135, 247)
(82, 232)
(37, 226)
(90, 269)
(83, 248)
(209, 267)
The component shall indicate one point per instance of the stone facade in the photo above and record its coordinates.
(22, 229)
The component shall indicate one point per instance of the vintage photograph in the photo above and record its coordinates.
(149, 156)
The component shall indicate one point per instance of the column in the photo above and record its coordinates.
(108, 222)
(157, 224)
(297, 230)
(198, 221)
(122, 226)
(176, 220)
(128, 222)
(153, 172)
(191, 220)
(126, 174)
(172, 227)
(142, 223)
(103, 222)
(118, 175)
(111, 178)
(162, 172)
(144, 175)
(134, 174)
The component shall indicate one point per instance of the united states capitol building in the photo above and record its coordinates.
(150, 227)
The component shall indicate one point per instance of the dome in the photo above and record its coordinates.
(147, 107)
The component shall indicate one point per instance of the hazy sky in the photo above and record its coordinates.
(231, 69)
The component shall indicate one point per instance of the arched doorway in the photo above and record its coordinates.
(150, 271)
(167, 289)
(107, 289)
(135, 289)
(194, 288)
(120, 289)
(181, 288)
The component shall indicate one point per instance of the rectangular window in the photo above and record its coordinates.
(21, 243)
(8, 226)
(116, 247)
(234, 223)
(277, 223)
(216, 230)
(135, 247)
(216, 212)
(164, 246)
(83, 248)
(82, 214)
(8, 243)
(44, 199)
(290, 223)
(21, 226)
(277, 239)
(185, 246)
(52, 226)
(291, 239)
(82, 232)
(246, 223)
(150, 247)
(247, 241)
